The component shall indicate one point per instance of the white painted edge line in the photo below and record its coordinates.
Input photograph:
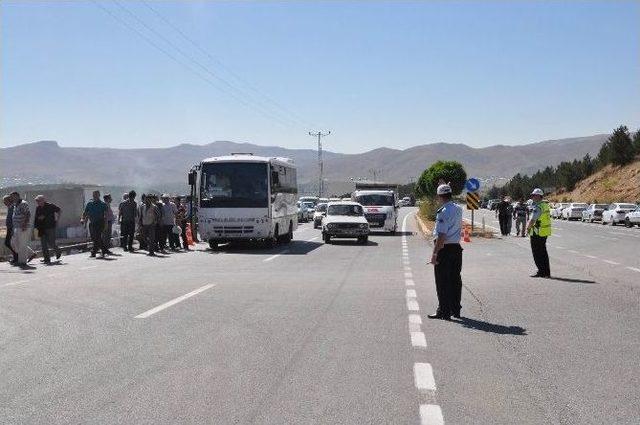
(173, 302)
(415, 318)
(312, 239)
(275, 256)
(593, 257)
(431, 414)
(418, 340)
(412, 304)
(411, 293)
(409, 282)
(423, 375)
(634, 269)
(408, 275)
(611, 262)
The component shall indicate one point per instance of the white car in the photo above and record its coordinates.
(594, 212)
(318, 215)
(556, 211)
(632, 218)
(574, 211)
(345, 219)
(617, 213)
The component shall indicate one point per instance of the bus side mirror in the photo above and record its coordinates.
(192, 178)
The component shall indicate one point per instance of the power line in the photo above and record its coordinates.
(182, 63)
(320, 135)
(233, 74)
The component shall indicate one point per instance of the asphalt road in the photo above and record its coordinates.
(333, 334)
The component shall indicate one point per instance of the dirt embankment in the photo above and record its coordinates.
(611, 184)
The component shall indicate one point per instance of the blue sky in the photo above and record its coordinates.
(394, 74)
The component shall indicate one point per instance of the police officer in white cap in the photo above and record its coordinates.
(447, 256)
(539, 229)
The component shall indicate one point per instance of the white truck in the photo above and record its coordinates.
(245, 197)
(380, 202)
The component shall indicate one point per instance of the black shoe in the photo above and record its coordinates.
(58, 255)
(537, 275)
(438, 315)
(456, 314)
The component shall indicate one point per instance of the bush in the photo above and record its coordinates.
(450, 172)
(428, 208)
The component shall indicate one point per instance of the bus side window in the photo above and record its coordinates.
(275, 179)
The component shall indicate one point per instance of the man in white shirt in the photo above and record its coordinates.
(169, 211)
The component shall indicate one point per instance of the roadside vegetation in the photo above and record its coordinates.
(619, 150)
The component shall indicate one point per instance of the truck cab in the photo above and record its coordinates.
(380, 207)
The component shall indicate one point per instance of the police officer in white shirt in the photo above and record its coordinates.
(447, 256)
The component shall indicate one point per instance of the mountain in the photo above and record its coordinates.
(166, 168)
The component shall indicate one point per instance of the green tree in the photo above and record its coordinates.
(450, 172)
(618, 149)
(636, 142)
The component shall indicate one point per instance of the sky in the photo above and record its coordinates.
(122, 73)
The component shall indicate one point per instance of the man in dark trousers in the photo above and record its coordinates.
(447, 256)
(127, 214)
(96, 212)
(539, 228)
(505, 212)
(521, 216)
(8, 202)
(46, 220)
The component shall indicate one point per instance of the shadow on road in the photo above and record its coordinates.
(295, 247)
(570, 280)
(491, 327)
(352, 242)
(374, 233)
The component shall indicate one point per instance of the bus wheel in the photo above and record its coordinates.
(289, 236)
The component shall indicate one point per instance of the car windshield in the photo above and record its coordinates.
(375, 199)
(601, 206)
(627, 206)
(344, 209)
(234, 185)
(321, 208)
(309, 204)
(579, 206)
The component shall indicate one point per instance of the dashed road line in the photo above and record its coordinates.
(275, 256)
(412, 305)
(16, 283)
(409, 282)
(431, 414)
(611, 262)
(173, 302)
(423, 376)
(411, 293)
(418, 339)
(635, 269)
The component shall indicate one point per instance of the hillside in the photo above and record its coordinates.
(48, 162)
(611, 184)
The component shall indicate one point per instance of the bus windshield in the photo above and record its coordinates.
(234, 185)
(375, 199)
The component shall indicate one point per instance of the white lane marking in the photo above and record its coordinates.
(408, 275)
(412, 304)
(634, 269)
(87, 267)
(407, 268)
(431, 414)
(275, 256)
(418, 340)
(559, 247)
(16, 283)
(423, 375)
(593, 257)
(573, 251)
(415, 318)
(556, 235)
(173, 302)
(611, 262)
(312, 239)
(411, 293)
(409, 282)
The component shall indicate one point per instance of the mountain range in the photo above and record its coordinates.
(166, 168)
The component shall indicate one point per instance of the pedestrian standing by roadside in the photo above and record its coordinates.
(149, 219)
(141, 238)
(96, 213)
(21, 218)
(539, 229)
(127, 214)
(169, 211)
(160, 243)
(8, 202)
(521, 216)
(108, 228)
(447, 256)
(181, 220)
(505, 212)
(45, 222)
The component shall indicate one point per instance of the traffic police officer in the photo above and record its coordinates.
(447, 256)
(539, 229)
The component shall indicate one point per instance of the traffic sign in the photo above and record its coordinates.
(472, 184)
(473, 201)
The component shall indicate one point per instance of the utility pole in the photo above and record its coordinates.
(320, 135)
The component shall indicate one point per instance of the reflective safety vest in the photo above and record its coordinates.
(542, 226)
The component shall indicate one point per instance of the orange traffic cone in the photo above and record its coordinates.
(189, 235)
(466, 235)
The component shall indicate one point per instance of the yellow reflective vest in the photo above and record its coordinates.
(542, 226)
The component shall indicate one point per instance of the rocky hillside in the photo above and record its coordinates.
(611, 184)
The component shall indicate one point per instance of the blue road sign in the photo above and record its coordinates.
(472, 185)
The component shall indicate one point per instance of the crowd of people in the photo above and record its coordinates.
(159, 223)
(508, 212)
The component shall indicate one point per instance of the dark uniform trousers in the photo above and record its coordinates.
(448, 280)
(540, 255)
(96, 230)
